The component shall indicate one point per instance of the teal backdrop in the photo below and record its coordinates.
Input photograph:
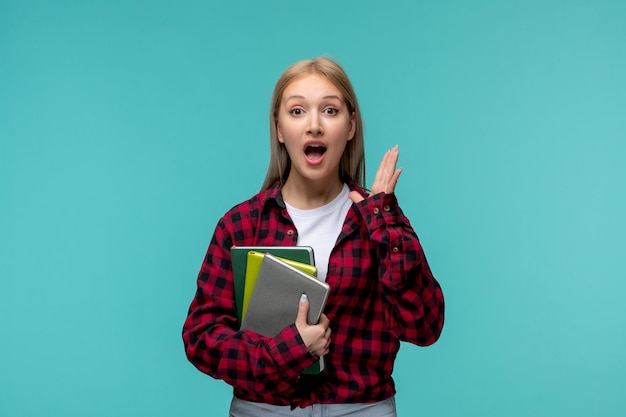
(127, 128)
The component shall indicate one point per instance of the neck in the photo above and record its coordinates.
(306, 195)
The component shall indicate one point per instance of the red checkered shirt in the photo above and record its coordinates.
(382, 292)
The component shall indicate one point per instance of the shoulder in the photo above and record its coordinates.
(251, 209)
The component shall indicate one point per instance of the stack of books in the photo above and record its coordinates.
(269, 282)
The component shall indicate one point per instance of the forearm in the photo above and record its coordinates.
(414, 304)
(216, 347)
(413, 297)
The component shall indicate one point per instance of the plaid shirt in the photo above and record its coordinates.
(382, 292)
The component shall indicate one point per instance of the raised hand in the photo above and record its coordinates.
(386, 177)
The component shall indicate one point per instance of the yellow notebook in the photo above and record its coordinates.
(252, 271)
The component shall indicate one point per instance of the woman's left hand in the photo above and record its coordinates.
(386, 177)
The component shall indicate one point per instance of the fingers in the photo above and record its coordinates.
(391, 185)
(315, 337)
(355, 196)
(303, 311)
(387, 175)
(388, 168)
(326, 347)
(324, 322)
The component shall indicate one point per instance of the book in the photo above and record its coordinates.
(253, 265)
(239, 257)
(274, 301)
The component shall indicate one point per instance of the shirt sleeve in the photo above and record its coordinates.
(215, 346)
(413, 298)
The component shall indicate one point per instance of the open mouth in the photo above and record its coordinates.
(315, 152)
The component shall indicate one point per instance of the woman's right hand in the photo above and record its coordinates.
(316, 337)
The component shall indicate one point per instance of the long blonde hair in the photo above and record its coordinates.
(352, 164)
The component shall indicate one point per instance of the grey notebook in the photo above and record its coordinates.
(276, 296)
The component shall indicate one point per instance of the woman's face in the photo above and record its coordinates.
(315, 125)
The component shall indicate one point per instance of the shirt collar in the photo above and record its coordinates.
(274, 193)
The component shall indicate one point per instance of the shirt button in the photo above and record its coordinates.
(376, 211)
(290, 232)
(395, 249)
(386, 208)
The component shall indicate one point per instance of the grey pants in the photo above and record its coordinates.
(241, 408)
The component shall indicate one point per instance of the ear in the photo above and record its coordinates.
(352, 126)
(279, 134)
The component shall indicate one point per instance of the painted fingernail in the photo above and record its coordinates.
(303, 299)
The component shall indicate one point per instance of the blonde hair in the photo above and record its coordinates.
(352, 164)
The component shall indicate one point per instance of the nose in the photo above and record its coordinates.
(315, 124)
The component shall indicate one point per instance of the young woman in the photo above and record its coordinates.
(382, 289)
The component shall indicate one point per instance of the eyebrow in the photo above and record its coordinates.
(302, 97)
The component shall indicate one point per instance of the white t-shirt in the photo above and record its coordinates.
(320, 228)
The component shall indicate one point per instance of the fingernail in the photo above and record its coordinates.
(303, 299)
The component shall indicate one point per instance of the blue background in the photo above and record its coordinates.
(128, 127)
